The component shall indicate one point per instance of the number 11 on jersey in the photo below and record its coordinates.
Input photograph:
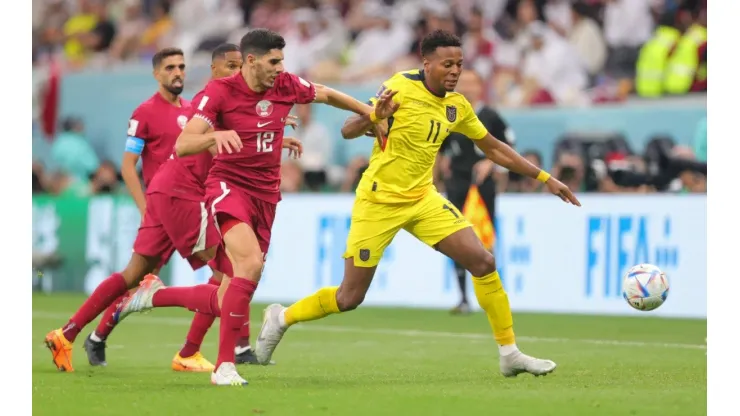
(264, 141)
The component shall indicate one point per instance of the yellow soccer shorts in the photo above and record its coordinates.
(374, 225)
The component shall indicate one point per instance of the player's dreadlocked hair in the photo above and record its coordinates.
(165, 53)
(438, 39)
(260, 41)
(222, 49)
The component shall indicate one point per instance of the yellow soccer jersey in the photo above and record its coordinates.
(401, 170)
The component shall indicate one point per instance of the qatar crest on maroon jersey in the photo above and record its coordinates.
(264, 108)
(451, 113)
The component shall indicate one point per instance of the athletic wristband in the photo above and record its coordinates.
(543, 176)
(374, 117)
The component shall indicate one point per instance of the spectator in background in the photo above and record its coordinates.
(558, 16)
(100, 38)
(80, 24)
(153, 37)
(519, 183)
(377, 46)
(478, 45)
(628, 24)
(273, 15)
(72, 153)
(570, 170)
(688, 182)
(316, 37)
(317, 148)
(552, 72)
(49, 20)
(587, 39)
(106, 180)
(687, 66)
(126, 43)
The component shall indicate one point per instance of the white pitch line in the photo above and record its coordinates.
(155, 320)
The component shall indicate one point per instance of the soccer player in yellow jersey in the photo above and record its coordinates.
(396, 192)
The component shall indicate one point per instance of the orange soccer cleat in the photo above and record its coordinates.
(196, 363)
(61, 350)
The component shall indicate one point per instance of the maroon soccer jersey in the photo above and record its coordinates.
(183, 177)
(157, 123)
(259, 119)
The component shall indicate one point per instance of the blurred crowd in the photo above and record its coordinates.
(531, 52)
(528, 52)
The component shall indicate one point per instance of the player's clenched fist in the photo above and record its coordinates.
(561, 190)
(227, 141)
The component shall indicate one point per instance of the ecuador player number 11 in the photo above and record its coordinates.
(396, 192)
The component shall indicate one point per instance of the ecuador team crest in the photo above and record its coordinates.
(451, 113)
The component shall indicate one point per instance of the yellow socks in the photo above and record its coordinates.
(320, 304)
(493, 299)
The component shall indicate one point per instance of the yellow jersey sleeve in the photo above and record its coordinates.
(469, 125)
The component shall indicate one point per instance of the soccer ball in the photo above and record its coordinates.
(645, 287)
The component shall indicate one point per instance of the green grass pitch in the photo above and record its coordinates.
(377, 361)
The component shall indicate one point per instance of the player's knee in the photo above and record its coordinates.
(349, 300)
(248, 266)
(483, 265)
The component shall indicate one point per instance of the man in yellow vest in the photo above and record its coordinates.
(654, 56)
(687, 66)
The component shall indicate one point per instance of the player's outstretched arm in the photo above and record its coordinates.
(338, 99)
(198, 136)
(502, 154)
(359, 125)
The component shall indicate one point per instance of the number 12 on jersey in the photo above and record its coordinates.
(264, 141)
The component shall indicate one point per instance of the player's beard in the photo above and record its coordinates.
(174, 90)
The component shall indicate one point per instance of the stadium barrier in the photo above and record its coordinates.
(106, 115)
(552, 257)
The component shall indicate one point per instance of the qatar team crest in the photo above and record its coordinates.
(264, 108)
(451, 112)
(182, 121)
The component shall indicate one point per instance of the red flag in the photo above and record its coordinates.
(50, 102)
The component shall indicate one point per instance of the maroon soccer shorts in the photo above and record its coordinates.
(176, 224)
(231, 206)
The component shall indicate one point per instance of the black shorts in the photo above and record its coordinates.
(457, 192)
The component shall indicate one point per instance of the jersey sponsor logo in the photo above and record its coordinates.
(451, 112)
(182, 121)
(133, 125)
(264, 108)
(261, 124)
(364, 254)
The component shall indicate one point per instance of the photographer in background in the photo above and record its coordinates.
(464, 165)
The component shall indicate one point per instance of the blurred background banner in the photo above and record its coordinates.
(566, 260)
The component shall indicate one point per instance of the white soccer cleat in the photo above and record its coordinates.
(141, 300)
(270, 334)
(226, 375)
(516, 363)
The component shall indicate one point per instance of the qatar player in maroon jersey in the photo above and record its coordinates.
(153, 130)
(175, 204)
(242, 188)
